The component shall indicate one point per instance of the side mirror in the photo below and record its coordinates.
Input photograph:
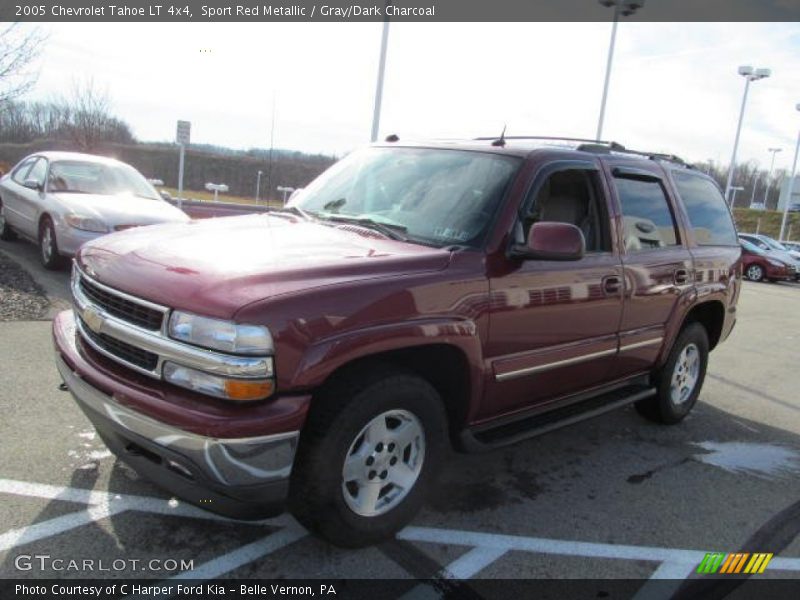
(33, 184)
(165, 195)
(551, 241)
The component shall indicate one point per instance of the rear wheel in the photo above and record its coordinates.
(48, 246)
(371, 448)
(679, 381)
(754, 272)
(6, 232)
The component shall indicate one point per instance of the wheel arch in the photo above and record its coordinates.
(711, 315)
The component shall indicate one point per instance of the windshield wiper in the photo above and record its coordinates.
(294, 210)
(390, 231)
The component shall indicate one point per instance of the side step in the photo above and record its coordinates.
(487, 437)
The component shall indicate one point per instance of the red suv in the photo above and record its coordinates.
(323, 356)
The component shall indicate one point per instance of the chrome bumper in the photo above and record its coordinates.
(221, 462)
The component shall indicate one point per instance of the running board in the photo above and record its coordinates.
(488, 437)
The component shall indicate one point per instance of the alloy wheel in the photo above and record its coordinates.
(685, 374)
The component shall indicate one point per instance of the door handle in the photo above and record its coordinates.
(612, 285)
(681, 276)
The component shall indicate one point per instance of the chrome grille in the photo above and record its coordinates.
(121, 307)
(130, 354)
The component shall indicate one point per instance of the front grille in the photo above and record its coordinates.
(131, 354)
(122, 308)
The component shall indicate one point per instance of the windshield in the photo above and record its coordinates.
(773, 244)
(750, 247)
(438, 197)
(85, 177)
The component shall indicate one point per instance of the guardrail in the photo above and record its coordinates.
(202, 209)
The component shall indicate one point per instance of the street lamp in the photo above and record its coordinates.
(285, 190)
(771, 165)
(791, 184)
(623, 8)
(750, 74)
(258, 187)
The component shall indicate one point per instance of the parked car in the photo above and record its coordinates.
(794, 207)
(61, 200)
(323, 356)
(760, 265)
(774, 248)
(791, 246)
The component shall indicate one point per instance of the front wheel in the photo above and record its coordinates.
(371, 448)
(48, 246)
(679, 381)
(754, 272)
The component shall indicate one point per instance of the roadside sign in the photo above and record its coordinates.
(182, 134)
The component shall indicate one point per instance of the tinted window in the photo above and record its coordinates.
(38, 171)
(571, 196)
(648, 219)
(707, 210)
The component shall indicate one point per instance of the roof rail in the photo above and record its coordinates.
(542, 137)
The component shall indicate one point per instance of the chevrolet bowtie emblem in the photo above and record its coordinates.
(93, 318)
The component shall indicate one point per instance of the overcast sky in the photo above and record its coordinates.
(674, 86)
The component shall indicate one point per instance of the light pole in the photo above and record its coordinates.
(734, 190)
(791, 184)
(623, 8)
(258, 187)
(285, 190)
(771, 166)
(216, 188)
(376, 113)
(755, 186)
(750, 74)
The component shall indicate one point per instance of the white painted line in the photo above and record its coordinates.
(147, 504)
(467, 565)
(51, 527)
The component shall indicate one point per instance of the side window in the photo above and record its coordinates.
(38, 171)
(22, 170)
(707, 210)
(647, 216)
(571, 196)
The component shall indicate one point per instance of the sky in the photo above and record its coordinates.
(674, 86)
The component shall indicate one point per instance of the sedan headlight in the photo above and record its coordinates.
(217, 334)
(86, 223)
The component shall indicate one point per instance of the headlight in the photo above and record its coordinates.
(86, 223)
(217, 334)
(221, 387)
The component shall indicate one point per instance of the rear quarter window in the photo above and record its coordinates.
(707, 210)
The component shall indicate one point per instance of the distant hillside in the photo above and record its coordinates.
(237, 169)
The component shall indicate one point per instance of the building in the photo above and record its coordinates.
(795, 193)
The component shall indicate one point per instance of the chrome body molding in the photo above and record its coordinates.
(575, 360)
(230, 462)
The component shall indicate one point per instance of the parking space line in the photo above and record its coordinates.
(241, 556)
(467, 565)
(57, 525)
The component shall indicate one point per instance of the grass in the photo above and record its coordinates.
(767, 222)
(207, 196)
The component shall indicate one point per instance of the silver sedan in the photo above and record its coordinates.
(61, 200)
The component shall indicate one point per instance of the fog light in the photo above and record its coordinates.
(212, 385)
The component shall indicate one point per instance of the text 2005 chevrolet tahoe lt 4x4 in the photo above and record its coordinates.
(321, 357)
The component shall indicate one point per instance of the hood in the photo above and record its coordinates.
(216, 266)
(121, 210)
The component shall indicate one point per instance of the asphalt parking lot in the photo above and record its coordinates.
(615, 497)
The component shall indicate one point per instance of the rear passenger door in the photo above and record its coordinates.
(657, 265)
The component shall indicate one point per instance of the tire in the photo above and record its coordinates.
(679, 381)
(345, 421)
(6, 233)
(48, 246)
(754, 272)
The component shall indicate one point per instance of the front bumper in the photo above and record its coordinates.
(238, 477)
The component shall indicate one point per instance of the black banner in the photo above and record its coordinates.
(396, 10)
(739, 587)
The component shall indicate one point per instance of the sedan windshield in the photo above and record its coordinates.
(85, 177)
(431, 196)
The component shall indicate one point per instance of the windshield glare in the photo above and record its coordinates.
(84, 177)
(439, 197)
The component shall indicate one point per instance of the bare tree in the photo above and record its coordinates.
(87, 111)
(19, 48)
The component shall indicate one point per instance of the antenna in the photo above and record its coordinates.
(501, 141)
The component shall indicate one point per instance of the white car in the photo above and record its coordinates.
(60, 200)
